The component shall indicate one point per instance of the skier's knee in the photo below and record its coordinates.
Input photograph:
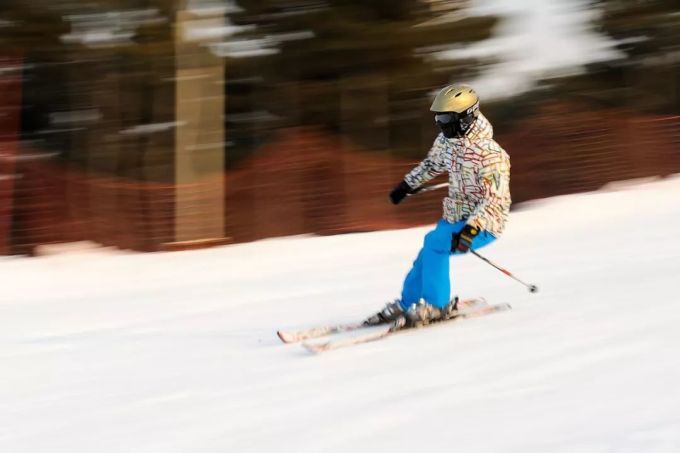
(429, 240)
(436, 242)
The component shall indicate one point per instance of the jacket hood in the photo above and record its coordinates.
(481, 129)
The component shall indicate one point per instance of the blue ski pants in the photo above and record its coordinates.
(429, 277)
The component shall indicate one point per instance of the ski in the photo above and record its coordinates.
(316, 332)
(391, 328)
(377, 333)
(296, 336)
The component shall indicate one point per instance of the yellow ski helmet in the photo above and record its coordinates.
(456, 107)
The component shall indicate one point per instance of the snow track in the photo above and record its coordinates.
(178, 352)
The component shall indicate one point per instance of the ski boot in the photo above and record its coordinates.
(422, 314)
(450, 309)
(390, 313)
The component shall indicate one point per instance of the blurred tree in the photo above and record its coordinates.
(645, 77)
(95, 69)
(648, 33)
(362, 68)
(359, 68)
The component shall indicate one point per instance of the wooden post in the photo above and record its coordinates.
(10, 115)
(199, 139)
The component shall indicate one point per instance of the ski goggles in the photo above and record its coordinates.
(445, 118)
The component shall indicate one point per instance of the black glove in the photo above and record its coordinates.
(462, 241)
(400, 192)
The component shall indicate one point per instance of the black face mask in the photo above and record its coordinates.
(453, 125)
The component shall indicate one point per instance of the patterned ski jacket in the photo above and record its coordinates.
(479, 177)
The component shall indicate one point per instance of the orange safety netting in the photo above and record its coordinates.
(307, 181)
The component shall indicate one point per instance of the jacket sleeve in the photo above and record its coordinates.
(430, 167)
(494, 182)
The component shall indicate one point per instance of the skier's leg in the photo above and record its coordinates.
(429, 277)
(410, 294)
(412, 287)
(482, 240)
(436, 284)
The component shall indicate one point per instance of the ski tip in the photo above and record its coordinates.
(316, 348)
(285, 336)
(500, 308)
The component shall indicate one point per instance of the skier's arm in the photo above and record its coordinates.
(430, 167)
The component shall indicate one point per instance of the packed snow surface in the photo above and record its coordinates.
(177, 352)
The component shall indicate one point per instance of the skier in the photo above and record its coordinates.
(475, 210)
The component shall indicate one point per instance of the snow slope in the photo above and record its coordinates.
(177, 352)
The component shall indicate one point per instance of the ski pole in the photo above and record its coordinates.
(429, 188)
(532, 288)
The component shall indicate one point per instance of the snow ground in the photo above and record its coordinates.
(177, 352)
